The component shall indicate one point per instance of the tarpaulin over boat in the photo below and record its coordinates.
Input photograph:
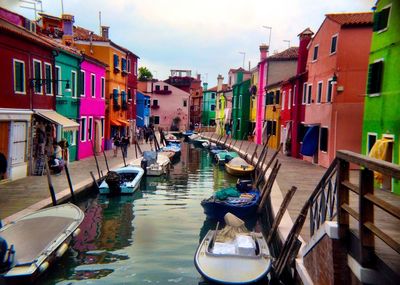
(310, 141)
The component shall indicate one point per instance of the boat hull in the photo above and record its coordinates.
(128, 187)
(233, 269)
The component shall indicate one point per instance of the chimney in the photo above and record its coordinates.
(220, 81)
(205, 86)
(199, 77)
(104, 32)
(263, 51)
(305, 38)
(67, 27)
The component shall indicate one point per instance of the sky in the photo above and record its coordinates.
(206, 36)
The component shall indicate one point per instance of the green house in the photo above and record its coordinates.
(382, 101)
(67, 67)
(241, 110)
(209, 101)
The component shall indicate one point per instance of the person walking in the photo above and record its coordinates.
(116, 144)
(124, 146)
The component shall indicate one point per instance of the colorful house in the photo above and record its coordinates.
(280, 66)
(142, 109)
(92, 107)
(241, 110)
(337, 67)
(253, 102)
(293, 116)
(260, 93)
(220, 116)
(169, 105)
(381, 105)
(209, 105)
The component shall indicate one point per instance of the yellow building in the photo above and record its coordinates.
(272, 116)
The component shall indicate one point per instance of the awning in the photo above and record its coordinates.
(124, 122)
(310, 141)
(115, 123)
(56, 118)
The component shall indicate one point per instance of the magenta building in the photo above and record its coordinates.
(92, 107)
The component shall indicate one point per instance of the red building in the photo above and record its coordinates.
(26, 59)
(292, 92)
(132, 62)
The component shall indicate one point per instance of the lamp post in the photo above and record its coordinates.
(244, 56)
(270, 30)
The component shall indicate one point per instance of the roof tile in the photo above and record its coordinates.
(363, 18)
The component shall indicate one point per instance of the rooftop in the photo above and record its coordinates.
(363, 18)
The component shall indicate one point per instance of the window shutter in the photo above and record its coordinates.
(375, 73)
(116, 61)
(376, 21)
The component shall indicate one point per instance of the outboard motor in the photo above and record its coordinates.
(244, 185)
(6, 255)
(113, 180)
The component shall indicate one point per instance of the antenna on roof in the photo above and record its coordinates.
(100, 22)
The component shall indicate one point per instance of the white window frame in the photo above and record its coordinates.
(74, 91)
(330, 48)
(102, 122)
(390, 13)
(309, 94)
(83, 129)
(304, 98)
(368, 146)
(40, 77)
(15, 85)
(327, 90)
(51, 78)
(90, 128)
(327, 139)
(379, 93)
(320, 86)
(135, 67)
(290, 99)
(93, 85)
(314, 60)
(59, 82)
(103, 88)
(294, 95)
(73, 138)
(158, 119)
(240, 101)
(283, 100)
(83, 91)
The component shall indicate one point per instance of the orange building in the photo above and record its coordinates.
(334, 93)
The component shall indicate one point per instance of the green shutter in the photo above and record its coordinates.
(376, 21)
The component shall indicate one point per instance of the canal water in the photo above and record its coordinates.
(148, 238)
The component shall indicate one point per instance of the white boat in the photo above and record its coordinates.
(34, 241)
(155, 168)
(126, 180)
(242, 258)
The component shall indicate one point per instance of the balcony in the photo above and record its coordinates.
(162, 92)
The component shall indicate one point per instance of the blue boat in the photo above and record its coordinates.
(244, 206)
(173, 151)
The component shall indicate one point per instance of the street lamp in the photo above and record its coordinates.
(270, 30)
(244, 56)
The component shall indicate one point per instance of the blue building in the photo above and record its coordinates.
(142, 109)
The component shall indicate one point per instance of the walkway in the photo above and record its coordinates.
(31, 193)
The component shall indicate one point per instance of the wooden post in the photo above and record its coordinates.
(279, 215)
(366, 216)
(105, 159)
(71, 188)
(123, 157)
(94, 179)
(95, 158)
(268, 188)
(51, 188)
(254, 154)
(343, 196)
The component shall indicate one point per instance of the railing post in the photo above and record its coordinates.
(343, 196)
(366, 210)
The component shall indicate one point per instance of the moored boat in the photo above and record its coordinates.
(155, 164)
(32, 243)
(241, 258)
(124, 180)
(239, 167)
(173, 151)
(224, 156)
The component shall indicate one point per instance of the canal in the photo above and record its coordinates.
(148, 238)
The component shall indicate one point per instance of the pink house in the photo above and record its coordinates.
(262, 83)
(167, 104)
(92, 107)
(335, 89)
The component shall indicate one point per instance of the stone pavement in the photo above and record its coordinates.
(31, 193)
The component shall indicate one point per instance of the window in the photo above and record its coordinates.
(290, 99)
(73, 84)
(371, 141)
(273, 128)
(116, 62)
(83, 129)
(37, 70)
(157, 87)
(212, 95)
(103, 87)
(49, 79)
(185, 103)
(135, 68)
(115, 98)
(73, 138)
(129, 65)
(375, 74)
(319, 92)
(212, 107)
(238, 124)
(19, 76)
(155, 102)
(165, 87)
(315, 54)
(304, 99)
(82, 83)
(309, 94)
(123, 65)
(240, 101)
(381, 19)
(283, 99)
(102, 127)
(277, 96)
(294, 95)
(323, 139)
(156, 120)
(333, 44)
(93, 85)
(90, 128)
(124, 101)
(329, 91)
(57, 82)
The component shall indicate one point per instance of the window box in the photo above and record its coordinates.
(155, 106)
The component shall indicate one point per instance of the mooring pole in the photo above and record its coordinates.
(95, 158)
(51, 188)
(71, 188)
(105, 159)
(94, 180)
(123, 155)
